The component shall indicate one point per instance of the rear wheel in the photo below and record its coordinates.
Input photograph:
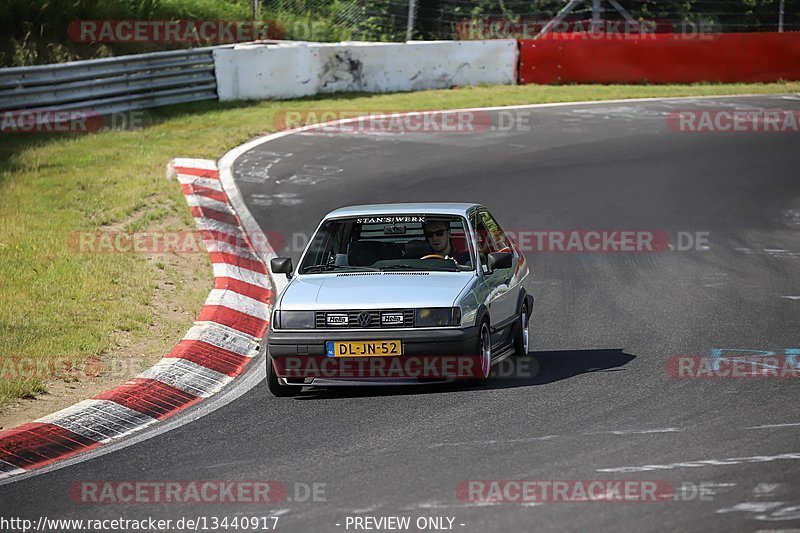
(521, 333)
(272, 382)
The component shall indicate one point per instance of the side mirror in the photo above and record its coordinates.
(282, 265)
(498, 260)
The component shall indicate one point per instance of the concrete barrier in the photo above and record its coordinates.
(287, 70)
(255, 72)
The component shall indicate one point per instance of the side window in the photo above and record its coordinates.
(483, 238)
(326, 245)
(499, 239)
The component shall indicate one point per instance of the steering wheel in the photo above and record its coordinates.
(433, 256)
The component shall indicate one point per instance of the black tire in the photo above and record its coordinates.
(272, 383)
(521, 344)
(484, 340)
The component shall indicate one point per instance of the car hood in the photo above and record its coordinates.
(374, 290)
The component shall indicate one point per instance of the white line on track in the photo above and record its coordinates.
(490, 442)
(643, 431)
(704, 462)
(770, 426)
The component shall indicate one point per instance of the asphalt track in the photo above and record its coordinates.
(604, 327)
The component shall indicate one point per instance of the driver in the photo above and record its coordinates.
(437, 233)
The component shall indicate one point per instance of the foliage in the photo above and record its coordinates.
(36, 32)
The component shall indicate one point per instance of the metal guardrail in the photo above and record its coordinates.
(111, 85)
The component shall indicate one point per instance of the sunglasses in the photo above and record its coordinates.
(438, 233)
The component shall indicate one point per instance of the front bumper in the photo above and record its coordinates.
(429, 355)
(434, 341)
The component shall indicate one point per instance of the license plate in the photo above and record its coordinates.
(363, 348)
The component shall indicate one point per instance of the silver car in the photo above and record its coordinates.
(398, 282)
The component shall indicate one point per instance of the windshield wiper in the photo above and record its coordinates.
(329, 268)
(413, 267)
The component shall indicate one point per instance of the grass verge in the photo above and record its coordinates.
(59, 304)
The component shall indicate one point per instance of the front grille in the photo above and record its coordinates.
(320, 319)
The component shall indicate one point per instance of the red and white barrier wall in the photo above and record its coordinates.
(213, 352)
(293, 69)
(660, 58)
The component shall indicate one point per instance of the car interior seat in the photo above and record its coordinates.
(364, 253)
(391, 250)
(416, 249)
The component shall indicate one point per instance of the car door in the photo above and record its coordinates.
(499, 292)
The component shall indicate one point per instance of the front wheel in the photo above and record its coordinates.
(484, 353)
(522, 334)
(272, 382)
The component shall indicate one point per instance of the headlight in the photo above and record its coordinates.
(293, 320)
(438, 316)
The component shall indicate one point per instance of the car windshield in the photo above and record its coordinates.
(390, 243)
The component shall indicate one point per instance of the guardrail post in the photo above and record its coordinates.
(595, 15)
(412, 13)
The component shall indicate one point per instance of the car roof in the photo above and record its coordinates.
(434, 208)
